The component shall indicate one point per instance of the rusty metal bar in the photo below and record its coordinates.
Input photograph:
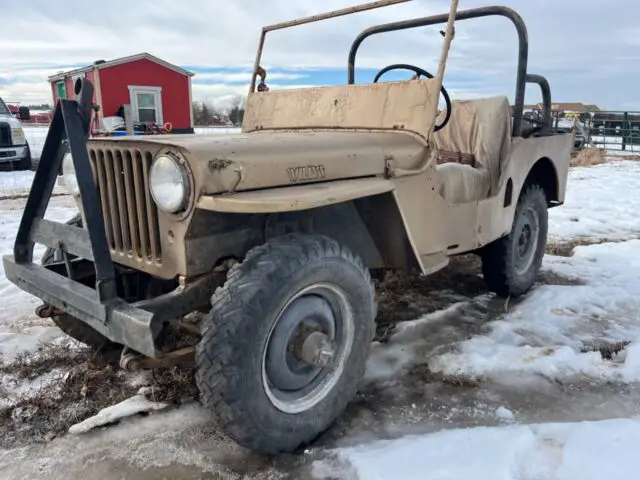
(314, 18)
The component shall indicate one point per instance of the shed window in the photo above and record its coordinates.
(146, 104)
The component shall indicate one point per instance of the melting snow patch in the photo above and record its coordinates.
(547, 332)
(132, 406)
(387, 360)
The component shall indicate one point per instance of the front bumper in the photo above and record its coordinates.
(117, 320)
(12, 154)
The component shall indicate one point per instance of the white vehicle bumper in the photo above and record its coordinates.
(12, 154)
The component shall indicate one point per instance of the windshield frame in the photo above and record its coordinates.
(310, 19)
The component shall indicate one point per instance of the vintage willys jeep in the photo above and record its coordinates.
(272, 232)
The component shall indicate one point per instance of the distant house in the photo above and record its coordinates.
(159, 93)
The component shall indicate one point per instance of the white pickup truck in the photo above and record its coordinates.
(14, 148)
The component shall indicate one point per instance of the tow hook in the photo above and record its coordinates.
(47, 311)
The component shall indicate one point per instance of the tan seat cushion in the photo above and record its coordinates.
(479, 130)
(460, 183)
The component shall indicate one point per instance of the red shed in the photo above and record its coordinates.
(157, 91)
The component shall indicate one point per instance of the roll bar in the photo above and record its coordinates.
(546, 99)
(523, 50)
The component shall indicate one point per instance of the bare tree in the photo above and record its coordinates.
(236, 111)
(205, 112)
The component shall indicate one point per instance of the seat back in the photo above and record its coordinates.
(478, 134)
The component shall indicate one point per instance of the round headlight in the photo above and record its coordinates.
(169, 184)
(69, 175)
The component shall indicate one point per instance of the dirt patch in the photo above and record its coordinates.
(607, 350)
(551, 278)
(589, 157)
(565, 249)
(82, 382)
(403, 297)
(614, 157)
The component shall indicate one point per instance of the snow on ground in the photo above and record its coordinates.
(546, 333)
(35, 137)
(20, 331)
(554, 451)
(601, 203)
(18, 184)
(216, 130)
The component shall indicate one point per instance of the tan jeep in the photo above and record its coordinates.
(272, 232)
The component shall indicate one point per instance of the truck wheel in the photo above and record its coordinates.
(286, 342)
(510, 265)
(75, 328)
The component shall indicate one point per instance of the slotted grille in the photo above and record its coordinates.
(130, 215)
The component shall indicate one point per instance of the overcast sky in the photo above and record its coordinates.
(589, 50)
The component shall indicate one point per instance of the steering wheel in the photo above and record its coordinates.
(419, 71)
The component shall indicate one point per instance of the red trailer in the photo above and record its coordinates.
(159, 93)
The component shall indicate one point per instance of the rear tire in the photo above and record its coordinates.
(261, 394)
(75, 328)
(510, 265)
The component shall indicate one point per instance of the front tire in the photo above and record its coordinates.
(511, 264)
(286, 342)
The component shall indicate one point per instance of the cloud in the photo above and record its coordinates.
(587, 50)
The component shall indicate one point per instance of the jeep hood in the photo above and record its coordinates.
(239, 162)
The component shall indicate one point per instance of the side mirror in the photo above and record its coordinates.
(24, 113)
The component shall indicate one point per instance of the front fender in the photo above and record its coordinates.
(295, 198)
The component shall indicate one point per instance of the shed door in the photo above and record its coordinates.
(62, 91)
(146, 104)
